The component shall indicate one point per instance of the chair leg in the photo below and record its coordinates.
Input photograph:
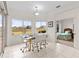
(37, 47)
(22, 50)
(45, 45)
(32, 48)
(40, 45)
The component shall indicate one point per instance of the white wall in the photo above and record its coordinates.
(52, 34)
(76, 31)
(68, 23)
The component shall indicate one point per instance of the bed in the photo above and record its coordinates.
(66, 35)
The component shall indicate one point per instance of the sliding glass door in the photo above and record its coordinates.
(1, 34)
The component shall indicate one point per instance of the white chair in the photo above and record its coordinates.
(26, 48)
(36, 43)
(44, 41)
(40, 40)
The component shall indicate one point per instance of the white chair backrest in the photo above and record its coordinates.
(44, 37)
(39, 38)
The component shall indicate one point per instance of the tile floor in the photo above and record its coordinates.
(68, 43)
(61, 51)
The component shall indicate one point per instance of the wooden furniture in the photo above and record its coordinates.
(70, 31)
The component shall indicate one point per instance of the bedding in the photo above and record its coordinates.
(64, 36)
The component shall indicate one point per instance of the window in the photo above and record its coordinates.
(27, 26)
(21, 27)
(41, 26)
(17, 27)
(16, 23)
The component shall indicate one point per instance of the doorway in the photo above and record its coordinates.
(65, 30)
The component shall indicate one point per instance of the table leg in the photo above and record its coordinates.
(30, 41)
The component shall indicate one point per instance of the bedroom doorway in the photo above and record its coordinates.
(64, 32)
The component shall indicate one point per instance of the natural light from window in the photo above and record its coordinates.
(41, 26)
(21, 27)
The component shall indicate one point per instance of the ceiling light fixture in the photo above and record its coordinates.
(37, 14)
(36, 11)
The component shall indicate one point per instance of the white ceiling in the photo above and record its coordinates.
(24, 9)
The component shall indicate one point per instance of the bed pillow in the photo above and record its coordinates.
(67, 32)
